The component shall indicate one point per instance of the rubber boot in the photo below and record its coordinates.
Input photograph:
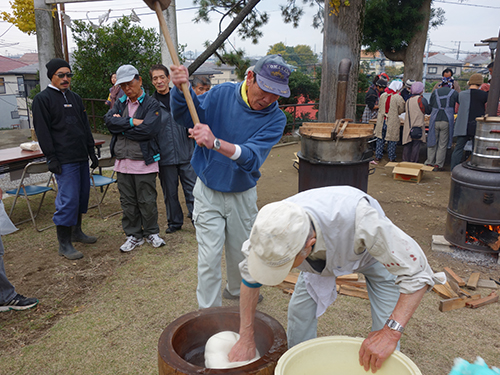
(66, 249)
(78, 236)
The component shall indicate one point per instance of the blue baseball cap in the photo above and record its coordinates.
(272, 74)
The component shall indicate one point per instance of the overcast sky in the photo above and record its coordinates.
(466, 23)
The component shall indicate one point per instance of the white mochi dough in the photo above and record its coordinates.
(217, 350)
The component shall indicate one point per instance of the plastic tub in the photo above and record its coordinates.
(337, 355)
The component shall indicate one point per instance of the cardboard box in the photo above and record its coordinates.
(406, 171)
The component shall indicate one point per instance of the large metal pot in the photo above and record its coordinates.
(486, 153)
(334, 151)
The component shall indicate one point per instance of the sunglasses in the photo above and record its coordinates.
(61, 75)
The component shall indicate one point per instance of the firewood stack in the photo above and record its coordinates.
(456, 297)
(454, 293)
(348, 285)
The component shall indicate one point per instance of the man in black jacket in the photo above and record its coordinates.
(135, 124)
(64, 135)
(176, 150)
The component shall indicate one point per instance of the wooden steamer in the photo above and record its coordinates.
(182, 344)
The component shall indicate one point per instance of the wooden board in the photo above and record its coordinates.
(473, 280)
(452, 275)
(292, 278)
(493, 297)
(456, 303)
(357, 284)
(351, 276)
(444, 291)
(489, 284)
(353, 291)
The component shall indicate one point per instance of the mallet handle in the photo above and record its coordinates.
(175, 59)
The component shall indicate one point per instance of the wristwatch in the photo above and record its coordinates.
(395, 326)
(216, 144)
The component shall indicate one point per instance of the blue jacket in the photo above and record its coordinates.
(232, 120)
(146, 133)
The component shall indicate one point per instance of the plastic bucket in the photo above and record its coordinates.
(337, 355)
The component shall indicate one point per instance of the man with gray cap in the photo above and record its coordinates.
(135, 124)
(64, 135)
(326, 233)
(239, 126)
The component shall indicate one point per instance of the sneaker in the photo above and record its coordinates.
(437, 169)
(19, 302)
(155, 240)
(131, 244)
(227, 295)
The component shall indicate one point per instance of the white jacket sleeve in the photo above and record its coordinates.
(245, 274)
(396, 250)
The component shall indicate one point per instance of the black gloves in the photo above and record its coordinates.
(95, 161)
(55, 166)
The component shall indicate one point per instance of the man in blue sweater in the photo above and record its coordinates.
(239, 126)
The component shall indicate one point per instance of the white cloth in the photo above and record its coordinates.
(217, 350)
(6, 226)
(396, 85)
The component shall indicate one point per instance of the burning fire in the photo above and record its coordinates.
(483, 235)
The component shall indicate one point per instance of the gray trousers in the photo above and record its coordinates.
(169, 178)
(138, 201)
(382, 291)
(436, 154)
(7, 291)
(223, 221)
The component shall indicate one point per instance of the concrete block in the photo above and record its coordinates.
(439, 243)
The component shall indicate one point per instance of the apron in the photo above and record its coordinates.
(450, 111)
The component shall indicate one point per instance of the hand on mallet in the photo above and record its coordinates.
(203, 136)
(180, 75)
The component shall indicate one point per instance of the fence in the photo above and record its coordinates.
(297, 114)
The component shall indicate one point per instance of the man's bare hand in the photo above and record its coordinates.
(179, 75)
(202, 135)
(137, 121)
(377, 347)
(243, 350)
(116, 115)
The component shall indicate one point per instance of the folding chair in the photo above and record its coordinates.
(31, 190)
(99, 181)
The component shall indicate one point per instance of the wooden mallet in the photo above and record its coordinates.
(158, 6)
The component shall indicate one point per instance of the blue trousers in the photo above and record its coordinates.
(382, 291)
(73, 188)
(7, 291)
(391, 146)
(169, 178)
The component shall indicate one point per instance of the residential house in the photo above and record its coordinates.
(477, 63)
(11, 85)
(377, 62)
(438, 62)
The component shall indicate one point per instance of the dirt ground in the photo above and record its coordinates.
(34, 267)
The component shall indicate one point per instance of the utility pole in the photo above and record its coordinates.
(45, 39)
(171, 19)
(426, 60)
(458, 50)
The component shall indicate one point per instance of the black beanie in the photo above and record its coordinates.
(54, 65)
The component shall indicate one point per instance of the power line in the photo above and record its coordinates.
(469, 5)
